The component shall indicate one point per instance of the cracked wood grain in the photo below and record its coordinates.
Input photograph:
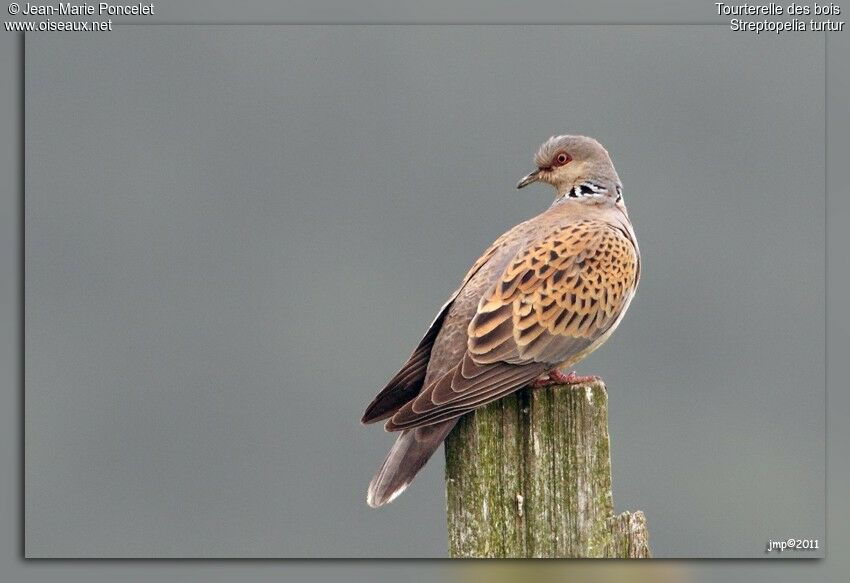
(530, 476)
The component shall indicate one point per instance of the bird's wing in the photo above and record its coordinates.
(407, 382)
(556, 297)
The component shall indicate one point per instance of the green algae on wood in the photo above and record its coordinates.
(529, 475)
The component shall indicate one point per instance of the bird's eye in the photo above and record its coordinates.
(562, 158)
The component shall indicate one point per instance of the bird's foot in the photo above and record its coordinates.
(556, 377)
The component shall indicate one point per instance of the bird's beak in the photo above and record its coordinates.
(533, 177)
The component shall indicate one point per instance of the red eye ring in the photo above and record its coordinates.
(561, 158)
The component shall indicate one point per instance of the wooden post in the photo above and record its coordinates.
(530, 476)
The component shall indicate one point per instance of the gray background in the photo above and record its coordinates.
(13, 567)
(235, 235)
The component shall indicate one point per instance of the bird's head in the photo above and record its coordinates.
(569, 162)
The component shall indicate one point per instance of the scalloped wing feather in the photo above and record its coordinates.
(555, 298)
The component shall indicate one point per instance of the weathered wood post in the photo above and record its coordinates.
(530, 476)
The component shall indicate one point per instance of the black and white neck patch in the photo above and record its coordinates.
(589, 189)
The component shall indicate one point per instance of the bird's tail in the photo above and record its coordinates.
(411, 451)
